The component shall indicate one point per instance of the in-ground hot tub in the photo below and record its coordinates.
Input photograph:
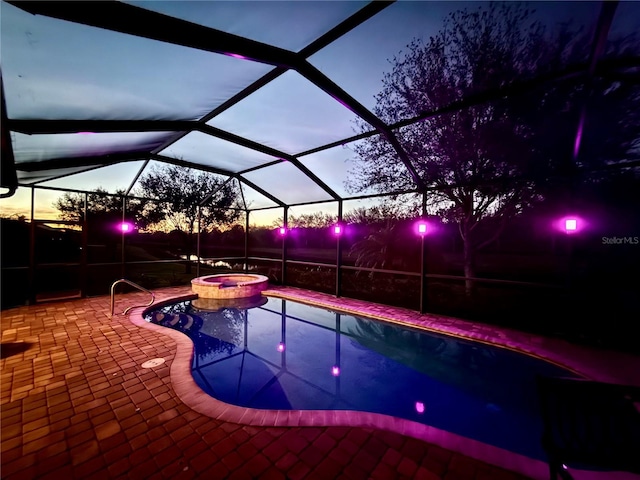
(232, 285)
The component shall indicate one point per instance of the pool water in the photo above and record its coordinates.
(288, 355)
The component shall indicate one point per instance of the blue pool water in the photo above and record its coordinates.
(287, 355)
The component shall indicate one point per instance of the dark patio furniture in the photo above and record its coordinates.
(589, 425)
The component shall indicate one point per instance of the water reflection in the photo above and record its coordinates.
(277, 354)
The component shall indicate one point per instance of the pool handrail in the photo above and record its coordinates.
(124, 280)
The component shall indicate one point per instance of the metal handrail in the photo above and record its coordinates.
(124, 280)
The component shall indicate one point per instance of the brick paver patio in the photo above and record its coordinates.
(77, 403)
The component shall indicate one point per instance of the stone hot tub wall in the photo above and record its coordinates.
(226, 286)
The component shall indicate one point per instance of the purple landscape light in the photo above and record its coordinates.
(280, 347)
(570, 224)
(337, 229)
(125, 227)
(282, 230)
(335, 371)
(419, 407)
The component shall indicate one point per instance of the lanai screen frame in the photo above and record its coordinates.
(136, 21)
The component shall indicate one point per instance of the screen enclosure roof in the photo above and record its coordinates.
(275, 95)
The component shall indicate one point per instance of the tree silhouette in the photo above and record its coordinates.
(103, 213)
(175, 194)
(487, 162)
(181, 192)
(307, 220)
(101, 205)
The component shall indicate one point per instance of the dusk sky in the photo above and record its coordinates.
(53, 69)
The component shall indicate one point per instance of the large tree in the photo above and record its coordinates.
(177, 193)
(101, 205)
(486, 162)
(104, 212)
(181, 192)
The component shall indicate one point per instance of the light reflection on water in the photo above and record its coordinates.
(212, 262)
(287, 355)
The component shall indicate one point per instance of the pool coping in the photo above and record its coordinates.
(191, 394)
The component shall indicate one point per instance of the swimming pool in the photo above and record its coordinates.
(288, 355)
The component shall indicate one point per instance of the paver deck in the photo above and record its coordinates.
(77, 403)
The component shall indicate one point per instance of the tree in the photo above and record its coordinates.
(104, 212)
(181, 192)
(307, 220)
(485, 163)
(102, 205)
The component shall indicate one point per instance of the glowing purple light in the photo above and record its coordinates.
(337, 229)
(571, 224)
(282, 230)
(335, 370)
(419, 407)
(236, 55)
(422, 228)
(280, 347)
(125, 227)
